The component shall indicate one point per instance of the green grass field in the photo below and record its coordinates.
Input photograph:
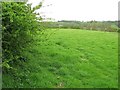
(69, 58)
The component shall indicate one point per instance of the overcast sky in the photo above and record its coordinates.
(82, 10)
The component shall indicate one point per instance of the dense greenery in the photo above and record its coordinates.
(19, 25)
(70, 58)
(59, 58)
(111, 26)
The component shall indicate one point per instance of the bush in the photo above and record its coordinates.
(19, 25)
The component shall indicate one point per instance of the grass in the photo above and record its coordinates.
(69, 58)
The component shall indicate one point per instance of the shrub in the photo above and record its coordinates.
(19, 25)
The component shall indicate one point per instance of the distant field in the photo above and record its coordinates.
(70, 58)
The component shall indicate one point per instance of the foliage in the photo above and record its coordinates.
(110, 26)
(19, 25)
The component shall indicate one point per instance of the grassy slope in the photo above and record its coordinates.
(71, 58)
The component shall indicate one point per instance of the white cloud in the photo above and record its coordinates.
(80, 9)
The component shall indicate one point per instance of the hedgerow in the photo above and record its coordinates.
(19, 25)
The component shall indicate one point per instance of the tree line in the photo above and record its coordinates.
(110, 26)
